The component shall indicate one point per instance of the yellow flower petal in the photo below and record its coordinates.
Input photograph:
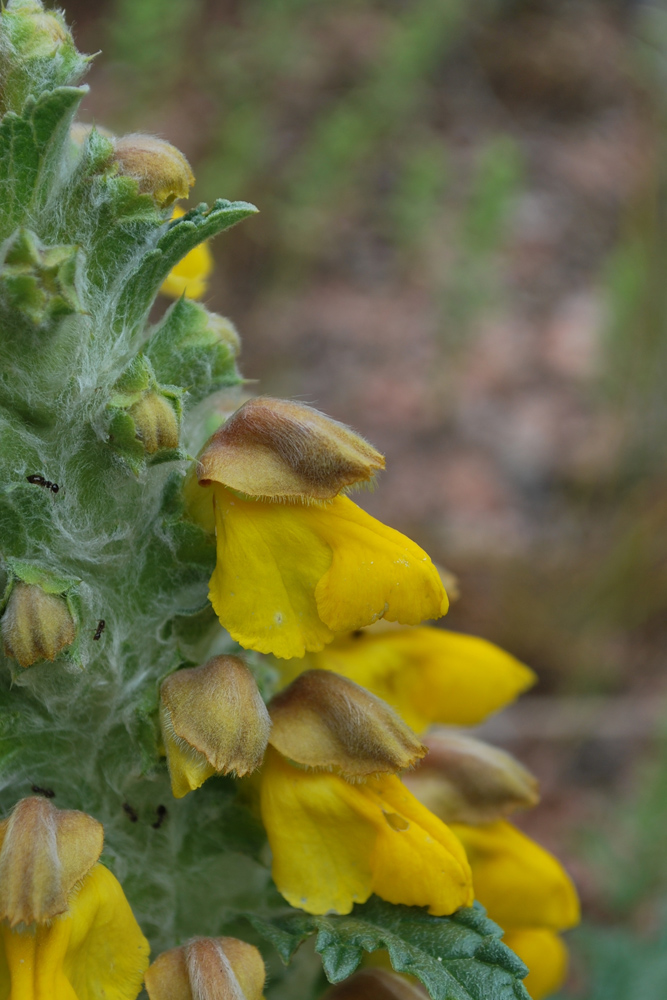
(429, 675)
(334, 844)
(545, 954)
(190, 276)
(107, 954)
(269, 563)
(95, 950)
(35, 962)
(291, 575)
(376, 572)
(188, 769)
(520, 883)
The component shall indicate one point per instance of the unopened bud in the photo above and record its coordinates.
(155, 421)
(207, 969)
(40, 282)
(466, 781)
(36, 625)
(275, 448)
(323, 720)
(44, 854)
(375, 984)
(159, 167)
(36, 53)
(213, 721)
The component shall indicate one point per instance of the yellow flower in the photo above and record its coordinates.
(520, 883)
(190, 276)
(213, 721)
(96, 949)
(528, 892)
(336, 843)
(545, 954)
(291, 575)
(67, 931)
(463, 780)
(428, 675)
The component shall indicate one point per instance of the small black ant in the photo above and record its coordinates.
(100, 628)
(127, 808)
(161, 817)
(38, 480)
(46, 792)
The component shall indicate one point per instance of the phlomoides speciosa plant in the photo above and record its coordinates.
(217, 693)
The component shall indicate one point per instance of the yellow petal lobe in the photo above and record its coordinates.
(334, 843)
(269, 562)
(519, 882)
(35, 962)
(107, 954)
(545, 954)
(429, 675)
(188, 768)
(289, 576)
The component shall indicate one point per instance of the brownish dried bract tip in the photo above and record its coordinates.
(464, 780)
(213, 722)
(159, 167)
(323, 720)
(36, 625)
(207, 969)
(375, 984)
(275, 448)
(44, 852)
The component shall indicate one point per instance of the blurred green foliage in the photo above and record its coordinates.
(327, 116)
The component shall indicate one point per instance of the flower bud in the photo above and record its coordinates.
(40, 282)
(213, 721)
(375, 984)
(155, 421)
(35, 625)
(207, 969)
(323, 720)
(37, 53)
(466, 781)
(44, 853)
(159, 167)
(275, 448)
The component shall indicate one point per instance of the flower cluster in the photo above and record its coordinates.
(302, 570)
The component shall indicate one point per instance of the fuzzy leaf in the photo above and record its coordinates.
(195, 350)
(31, 147)
(456, 958)
(182, 236)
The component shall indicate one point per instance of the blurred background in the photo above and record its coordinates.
(462, 251)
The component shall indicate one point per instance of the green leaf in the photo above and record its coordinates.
(456, 958)
(194, 349)
(31, 148)
(33, 573)
(182, 236)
